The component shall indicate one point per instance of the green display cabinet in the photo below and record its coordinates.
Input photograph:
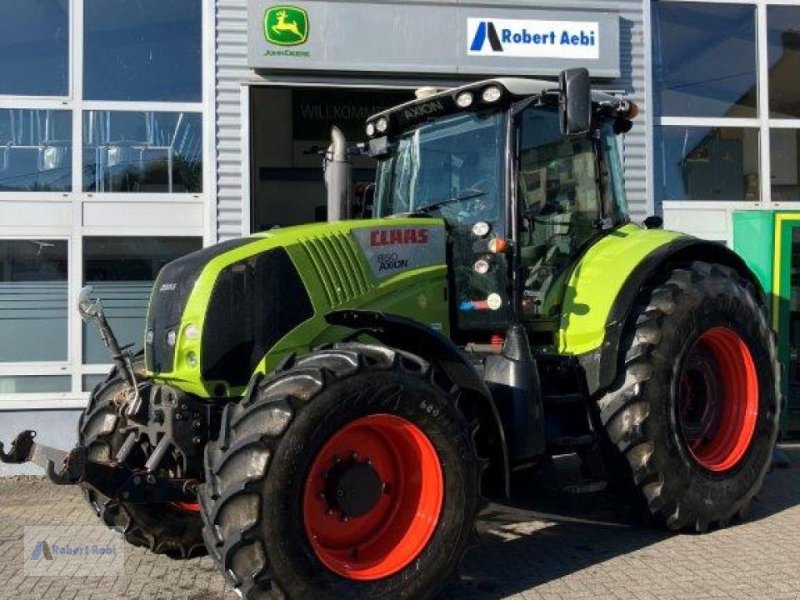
(769, 241)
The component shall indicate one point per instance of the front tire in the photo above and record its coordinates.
(175, 531)
(695, 411)
(349, 475)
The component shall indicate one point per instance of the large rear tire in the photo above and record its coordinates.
(351, 474)
(694, 414)
(163, 529)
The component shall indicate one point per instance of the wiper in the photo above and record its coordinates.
(467, 194)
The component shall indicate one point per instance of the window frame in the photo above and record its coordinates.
(763, 122)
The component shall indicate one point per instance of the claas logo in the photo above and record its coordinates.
(398, 237)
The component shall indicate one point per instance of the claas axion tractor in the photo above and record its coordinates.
(326, 408)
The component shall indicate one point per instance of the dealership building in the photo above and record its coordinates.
(132, 133)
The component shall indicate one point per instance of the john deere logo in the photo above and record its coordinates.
(286, 25)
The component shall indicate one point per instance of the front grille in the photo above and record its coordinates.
(255, 302)
(336, 263)
(168, 300)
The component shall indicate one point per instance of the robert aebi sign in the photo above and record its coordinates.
(530, 38)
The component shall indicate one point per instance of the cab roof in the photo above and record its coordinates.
(442, 101)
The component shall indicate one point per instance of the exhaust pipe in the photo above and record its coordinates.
(337, 177)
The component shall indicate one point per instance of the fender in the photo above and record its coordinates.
(411, 336)
(605, 283)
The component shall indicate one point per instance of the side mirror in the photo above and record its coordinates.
(575, 101)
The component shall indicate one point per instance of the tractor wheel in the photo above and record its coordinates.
(695, 411)
(173, 530)
(351, 474)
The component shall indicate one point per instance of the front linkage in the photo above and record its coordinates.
(173, 424)
(112, 480)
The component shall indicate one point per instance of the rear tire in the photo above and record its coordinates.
(162, 529)
(274, 517)
(694, 415)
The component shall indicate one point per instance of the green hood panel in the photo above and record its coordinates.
(394, 265)
(597, 280)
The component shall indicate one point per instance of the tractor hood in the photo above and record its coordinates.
(218, 315)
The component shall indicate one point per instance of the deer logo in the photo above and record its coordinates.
(286, 25)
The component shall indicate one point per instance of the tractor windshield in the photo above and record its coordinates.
(452, 168)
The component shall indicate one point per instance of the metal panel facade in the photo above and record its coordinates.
(446, 39)
(232, 72)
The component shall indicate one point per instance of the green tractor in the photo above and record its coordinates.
(326, 408)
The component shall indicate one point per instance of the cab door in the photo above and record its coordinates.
(565, 199)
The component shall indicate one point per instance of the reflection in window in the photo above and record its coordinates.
(704, 59)
(707, 163)
(33, 300)
(783, 37)
(122, 271)
(35, 150)
(142, 151)
(143, 50)
(34, 53)
(784, 164)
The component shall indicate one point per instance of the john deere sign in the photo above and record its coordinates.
(433, 37)
(286, 25)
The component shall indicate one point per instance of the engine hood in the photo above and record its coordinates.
(220, 314)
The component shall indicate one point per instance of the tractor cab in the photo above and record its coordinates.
(525, 174)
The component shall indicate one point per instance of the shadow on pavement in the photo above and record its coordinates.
(514, 556)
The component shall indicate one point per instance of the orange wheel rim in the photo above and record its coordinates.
(373, 497)
(718, 399)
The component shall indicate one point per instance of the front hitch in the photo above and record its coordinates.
(110, 479)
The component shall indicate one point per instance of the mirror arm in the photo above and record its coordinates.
(93, 311)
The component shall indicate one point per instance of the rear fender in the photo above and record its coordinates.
(605, 283)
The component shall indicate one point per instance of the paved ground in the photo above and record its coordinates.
(537, 559)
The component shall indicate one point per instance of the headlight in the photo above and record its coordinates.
(171, 338)
(370, 129)
(150, 336)
(482, 266)
(464, 99)
(491, 94)
(192, 332)
(481, 228)
(191, 359)
(382, 125)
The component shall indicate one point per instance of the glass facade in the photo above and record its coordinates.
(783, 40)
(142, 152)
(34, 48)
(33, 300)
(143, 50)
(690, 160)
(690, 77)
(101, 177)
(35, 150)
(719, 115)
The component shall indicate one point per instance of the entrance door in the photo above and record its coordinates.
(290, 127)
